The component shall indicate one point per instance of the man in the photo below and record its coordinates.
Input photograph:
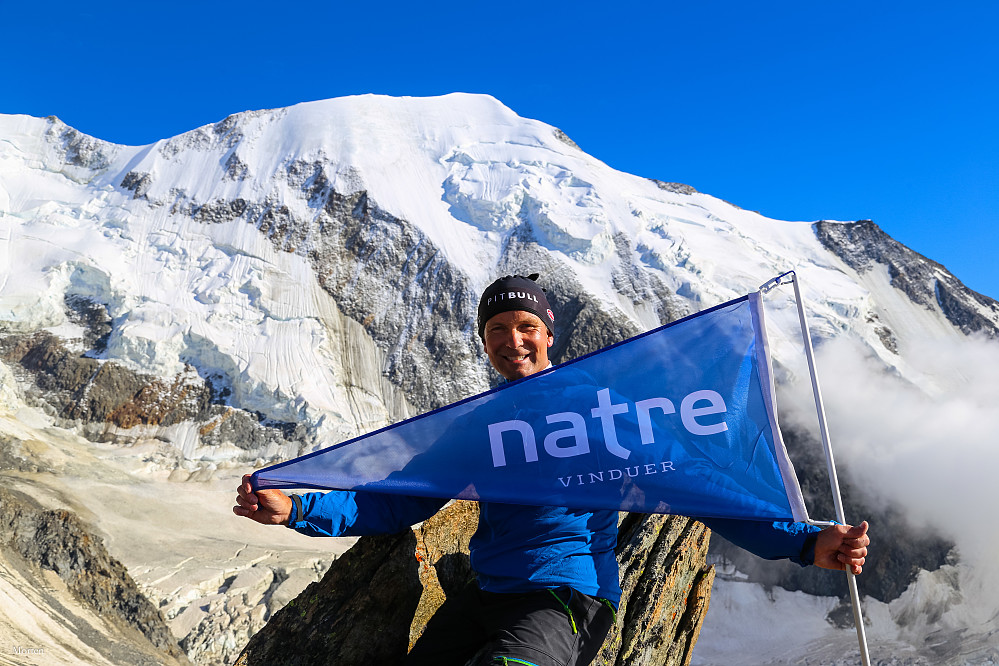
(548, 587)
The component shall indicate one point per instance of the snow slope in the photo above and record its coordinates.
(463, 169)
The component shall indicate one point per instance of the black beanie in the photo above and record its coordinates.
(515, 292)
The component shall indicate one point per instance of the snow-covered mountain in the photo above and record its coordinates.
(172, 315)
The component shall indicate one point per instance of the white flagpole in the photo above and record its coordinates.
(851, 580)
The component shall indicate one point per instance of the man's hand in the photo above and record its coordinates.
(842, 546)
(268, 507)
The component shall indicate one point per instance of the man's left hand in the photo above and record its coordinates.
(842, 546)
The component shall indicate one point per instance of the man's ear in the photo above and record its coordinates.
(551, 339)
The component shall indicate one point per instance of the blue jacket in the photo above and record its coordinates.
(520, 548)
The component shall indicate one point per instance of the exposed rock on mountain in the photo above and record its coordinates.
(33, 540)
(863, 245)
(374, 603)
(679, 188)
(381, 270)
(79, 149)
(109, 399)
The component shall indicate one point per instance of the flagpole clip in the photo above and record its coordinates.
(773, 283)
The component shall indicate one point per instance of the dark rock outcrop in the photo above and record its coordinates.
(666, 587)
(863, 244)
(677, 188)
(77, 387)
(59, 542)
(79, 149)
(370, 606)
(374, 602)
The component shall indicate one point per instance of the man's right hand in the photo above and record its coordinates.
(268, 507)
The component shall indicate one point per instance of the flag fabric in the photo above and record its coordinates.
(678, 420)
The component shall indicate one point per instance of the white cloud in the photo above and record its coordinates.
(932, 453)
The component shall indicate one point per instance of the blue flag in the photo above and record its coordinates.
(677, 420)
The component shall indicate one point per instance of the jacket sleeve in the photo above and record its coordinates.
(354, 513)
(771, 541)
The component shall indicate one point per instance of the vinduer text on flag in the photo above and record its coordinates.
(677, 420)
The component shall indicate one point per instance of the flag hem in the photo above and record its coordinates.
(793, 490)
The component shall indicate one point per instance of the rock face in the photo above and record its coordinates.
(863, 244)
(109, 398)
(375, 601)
(35, 540)
(666, 588)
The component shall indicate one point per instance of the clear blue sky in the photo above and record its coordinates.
(802, 110)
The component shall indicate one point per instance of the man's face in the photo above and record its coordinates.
(517, 343)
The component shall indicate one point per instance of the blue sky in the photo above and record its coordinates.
(801, 110)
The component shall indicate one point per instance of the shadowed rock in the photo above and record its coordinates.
(32, 539)
(375, 601)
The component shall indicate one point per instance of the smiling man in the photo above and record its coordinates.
(547, 586)
(517, 326)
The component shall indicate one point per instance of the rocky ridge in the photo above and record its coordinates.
(106, 399)
(863, 245)
(33, 540)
